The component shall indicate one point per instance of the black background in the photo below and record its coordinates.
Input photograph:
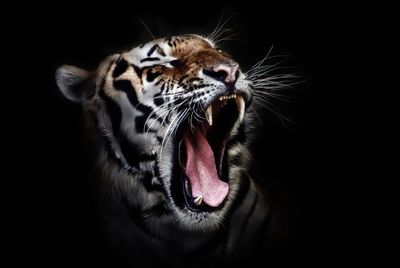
(297, 160)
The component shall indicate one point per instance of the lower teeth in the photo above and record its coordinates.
(198, 200)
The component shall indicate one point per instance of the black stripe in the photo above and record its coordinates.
(144, 109)
(236, 160)
(151, 76)
(158, 99)
(159, 81)
(126, 86)
(139, 125)
(194, 79)
(147, 182)
(120, 68)
(161, 51)
(152, 49)
(168, 40)
(147, 157)
(150, 59)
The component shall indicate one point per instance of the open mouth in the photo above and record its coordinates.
(201, 152)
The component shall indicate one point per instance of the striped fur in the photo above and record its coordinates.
(135, 103)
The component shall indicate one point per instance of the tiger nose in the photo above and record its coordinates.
(223, 72)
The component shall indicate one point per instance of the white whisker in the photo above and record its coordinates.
(274, 95)
(148, 30)
(219, 31)
(171, 126)
(272, 108)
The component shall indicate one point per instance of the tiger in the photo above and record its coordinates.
(170, 126)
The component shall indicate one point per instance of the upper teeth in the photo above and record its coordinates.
(222, 98)
(241, 107)
(208, 114)
(239, 102)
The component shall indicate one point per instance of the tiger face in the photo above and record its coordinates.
(171, 115)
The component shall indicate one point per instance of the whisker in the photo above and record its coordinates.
(263, 59)
(219, 30)
(211, 35)
(264, 102)
(162, 106)
(264, 67)
(219, 27)
(171, 125)
(257, 116)
(267, 69)
(147, 28)
(155, 120)
(163, 115)
(274, 95)
(227, 38)
(175, 128)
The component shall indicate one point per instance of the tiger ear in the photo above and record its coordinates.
(75, 83)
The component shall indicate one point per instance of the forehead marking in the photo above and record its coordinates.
(150, 59)
(120, 68)
(151, 50)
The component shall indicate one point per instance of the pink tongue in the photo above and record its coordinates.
(201, 170)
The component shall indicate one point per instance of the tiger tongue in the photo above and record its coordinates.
(201, 170)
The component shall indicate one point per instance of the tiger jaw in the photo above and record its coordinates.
(201, 153)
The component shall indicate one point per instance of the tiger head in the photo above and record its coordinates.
(171, 117)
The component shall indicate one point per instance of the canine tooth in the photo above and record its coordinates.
(208, 114)
(198, 200)
(241, 107)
